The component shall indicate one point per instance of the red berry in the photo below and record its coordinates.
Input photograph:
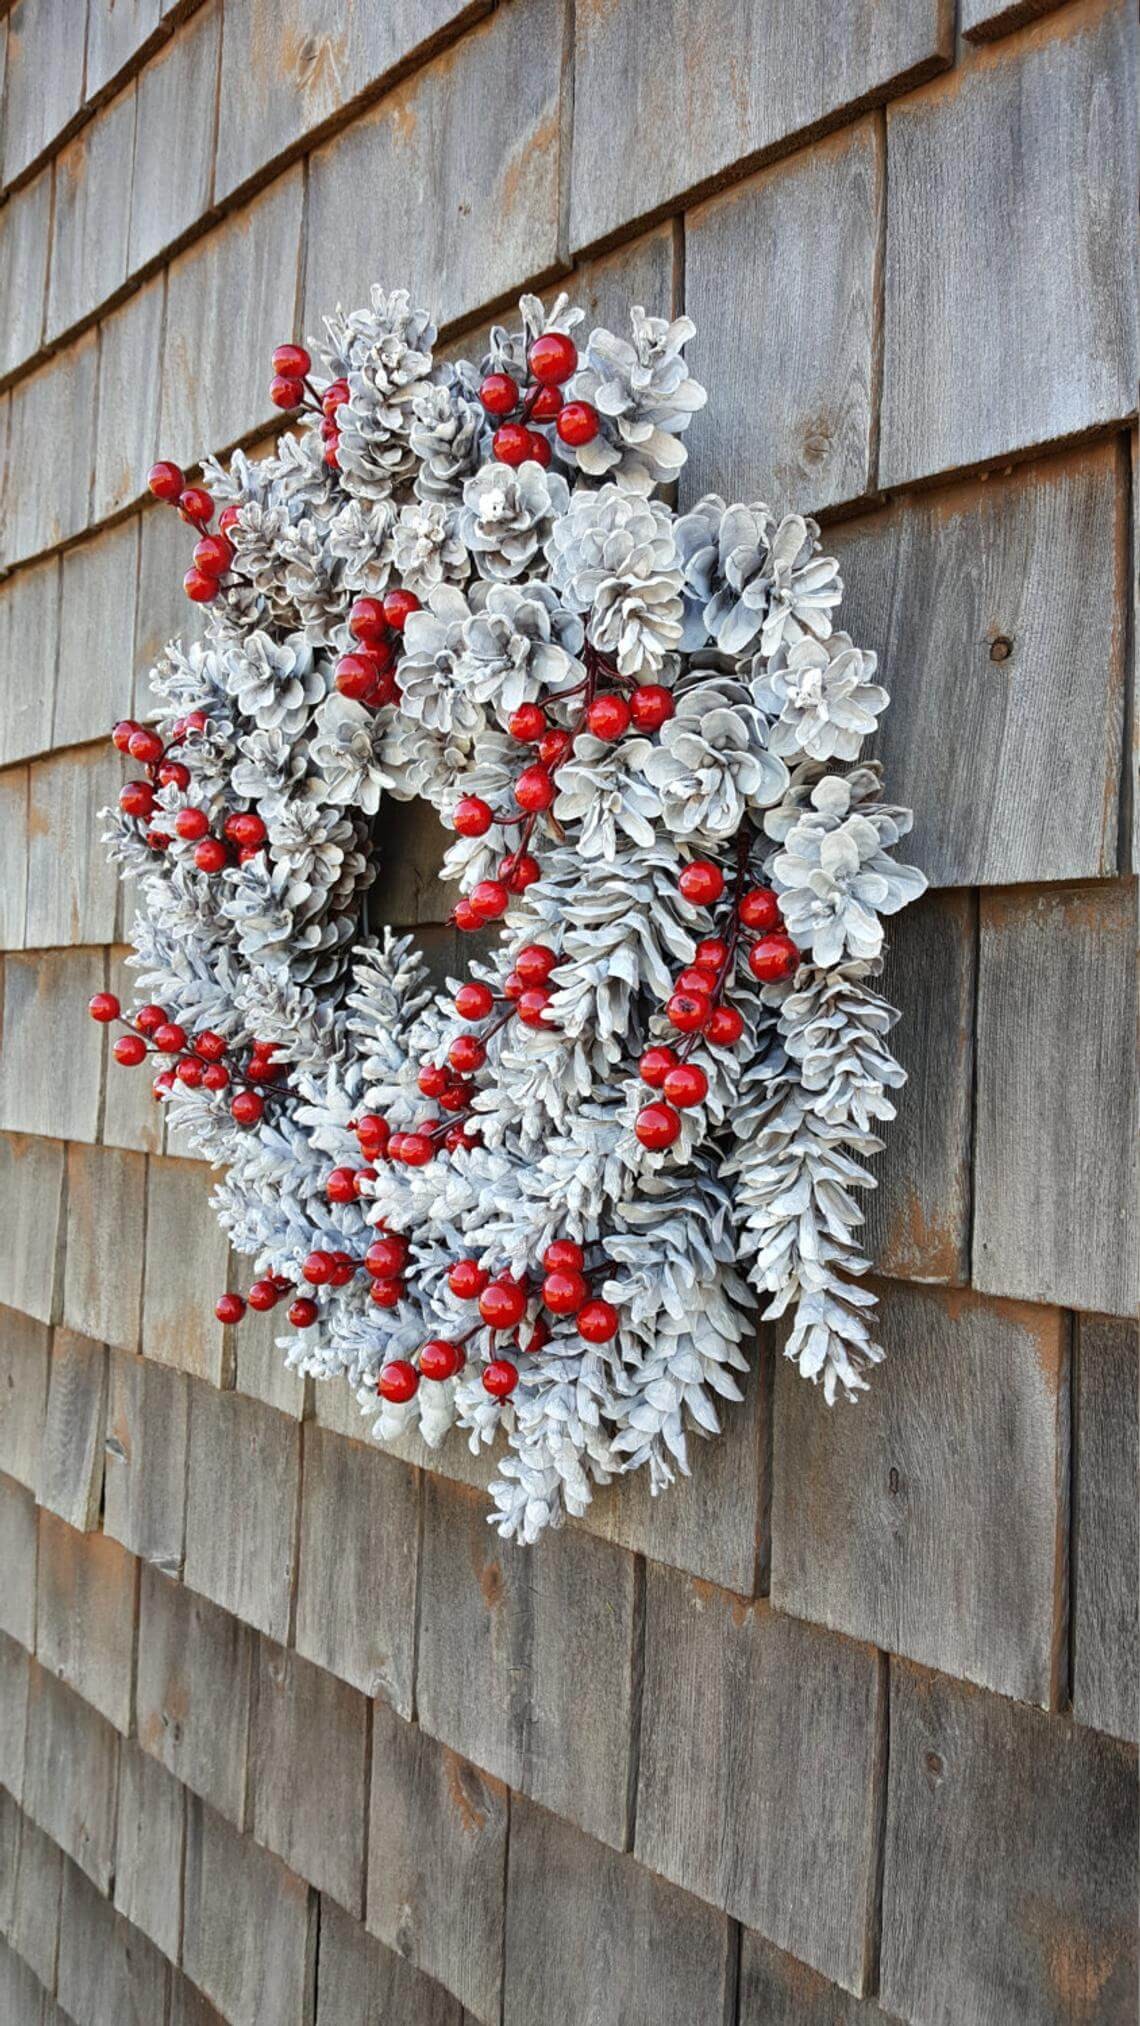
(189, 1071)
(440, 1360)
(695, 978)
(292, 359)
(332, 457)
(554, 746)
(229, 1308)
(489, 899)
(145, 746)
(527, 723)
(157, 840)
(552, 358)
(386, 1293)
(166, 481)
(773, 958)
(366, 621)
(577, 423)
(531, 1006)
(466, 1054)
(245, 828)
(399, 1381)
(210, 855)
(540, 451)
(213, 555)
(564, 1290)
(286, 393)
(215, 1076)
(702, 882)
(651, 706)
(456, 1097)
(264, 1294)
(199, 588)
(725, 1026)
(474, 1000)
(608, 717)
(399, 606)
(172, 774)
(686, 1085)
(464, 916)
(318, 1269)
(535, 962)
(361, 1179)
(195, 505)
(149, 1018)
(500, 1377)
(163, 1083)
(472, 816)
(129, 1049)
(519, 872)
(303, 1313)
(711, 953)
(467, 1279)
(136, 798)
(564, 1252)
(344, 1269)
(499, 394)
(247, 1108)
(416, 1150)
(103, 1006)
(513, 987)
(191, 824)
(169, 1038)
(227, 519)
(511, 443)
(374, 1134)
(546, 406)
(657, 1125)
(656, 1063)
(689, 1011)
(340, 1185)
(760, 909)
(502, 1304)
(598, 1322)
(334, 396)
(123, 733)
(432, 1079)
(354, 675)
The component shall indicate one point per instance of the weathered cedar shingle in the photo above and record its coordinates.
(35, 1887)
(174, 136)
(149, 1842)
(89, 235)
(107, 1969)
(241, 1507)
(71, 1775)
(250, 1926)
(356, 1584)
(25, 1349)
(51, 429)
(48, 1090)
(130, 388)
(1106, 1667)
(182, 1279)
(97, 616)
(71, 1456)
(361, 1983)
(18, 1561)
(148, 1423)
(195, 1667)
(31, 1202)
(45, 79)
(310, 1806)
(14, 1666)
(25, 242)
(103, 1268)
(29, 643)
(87, 1595)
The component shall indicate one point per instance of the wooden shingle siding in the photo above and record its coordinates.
(1106, 1661)
(195, 1672)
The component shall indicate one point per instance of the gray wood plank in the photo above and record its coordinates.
(259, 1367)
(186, 1267)
(992, 657)
(1009, 1892)
(584, 1923)
(29, 648)
(707, 89)
(25, 1349)
(356, 1585)
(742, 1709)
(103, 1269)
(51, 430)
(149, 1846)
(132, 1117)
(31, 1197)
(815, 222)
(89, 234)
(97, 617)
(776, 1990)
(163, 610)
(310, 1807)
(486, 117)
(526, 1622)
(14, 1666)
(148, 1428)
(130, 387)
(1010, 314)
(437, 1852)
(174, 137)
(242, 1493)
(36, 1885)
(87, 1596)
(45, 79)
(71, 1459)
(25, 242)
(71, 1775)
(18, 1560)
(195, 1666)
(1055, 1151)
(117, 31)
(360, 1983)
(932, 1519)
(13, 857)
(188, 2006)
(982, 20)
(1106, 1662)
(250, 1926)
(22, 1997)
(42, 1089)
(107, 1969)
(918, 1219)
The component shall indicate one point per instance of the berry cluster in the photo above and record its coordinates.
(204, 1061)
(551, 360)
(290, 386)
(213, 553)
(367, 674)
(697, 1007)
(384, 1262)
(243, 831)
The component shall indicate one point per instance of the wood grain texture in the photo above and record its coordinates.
(97, 617)
(181, 1280)
(309, 1807)
(25, 1349)
(107, 1969)
(250, 1926)
(149, 1844)
(289, 65)
(25, 243)
(586, 1923)
(130, 388)
(131, 1116)
(71, 1775)
(1106, 1662)
(71, 1458)
(163, 611)
(918, 1218)
(51, 425)
(360, 1983)
(148, 1428)
(195, 1666)
(13, 857)
(707, 89)
(18, 1560)
(982, 20)
(484, 116)
(741, 1711)
(992, 653)
(437, 1851)
(243, 1487)
(87, 1599)
(31, 1199)
(103, 1267)
(1009, 1891)
(1055, 1150)
(932, 1520)
(526, 1622)
(814, 222)
(188, 2006)
(356, 1585)
(22, 1996)
(259, 1367)
(776, 1990)
(34, 1886)
(89, 236)
(45, 79)
(29, 650)
(172, 178)
(14, 1666)
(45, 1090)
(1010, 315)
(117, 31)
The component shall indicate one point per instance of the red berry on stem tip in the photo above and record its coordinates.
(386, 1293)
(466, 1054)
(340, 1185)
(519, 872)
(191, 824)
(373, 1133)
(399, 1381)
(195, 505)
(695, 978)
(166, 481)
(534, 790)
(247, 1107)
(598, 1322)
(658, 1125)
(264, 1294)
(318, 1269)
(711, 953)
(123, 733)
(286, 393)
(189, 1071)
(472, 816)
(129, 1050)
(500, 1377)
(432, 1079)
(535, 962)
(527, 723)
(608, 717)
(169, 1037)
(344, 1269)
(199, 588)
(467, 1279)
(354, 675)
(564, 1290)
(245, 827)
(547, 405)
(489, 899)
(655, 1065)
(457, 1096)
(103, 1006)
(163, 1083)
(531, 1006)
(499, 394)
(136, 798)
(210, 855)
(303, 1313)
(773, 958)
(540, 451)
(145, 746)
(292, 359)
(552, 358)
(399, 606)
(149, 1018)
(360, 1180)
(215, 1076)
(502, 1304)
(511, 443)
(227, 519)
(702, 882)
(172, 774)
(689, 1011)
(464, 916)
(229, 1308)
(760, 909)
(725, 1027)
(554, 746)
(474, 1000)
(651, 706)
(564, 1252)
(577, 424)
(213, 555)
(440, 1360)
(334, 396)
(686, 1085)
(366, 621)
(416, 1150)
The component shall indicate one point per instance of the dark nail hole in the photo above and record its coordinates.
(1001, 648)
(935, 1766)
(893, 1479)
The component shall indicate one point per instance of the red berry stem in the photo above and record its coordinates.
(745, 838)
